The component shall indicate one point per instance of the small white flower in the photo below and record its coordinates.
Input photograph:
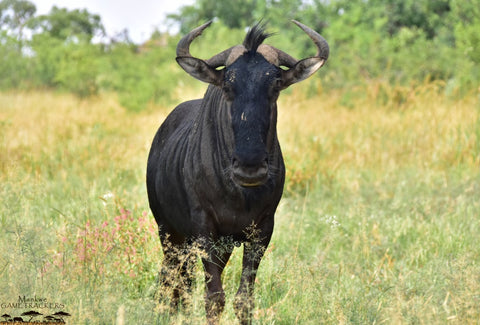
(107, 196)
(332, 221)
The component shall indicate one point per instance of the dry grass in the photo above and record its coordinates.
(424, 130)
(379, 223)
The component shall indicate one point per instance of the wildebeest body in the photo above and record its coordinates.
(189, 162)
(215, 172)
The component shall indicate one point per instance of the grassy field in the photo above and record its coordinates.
(379, 224)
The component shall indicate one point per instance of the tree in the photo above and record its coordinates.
(234, 14)
(426, 15)
(61, 314)
(14, 16)
(32, 314)
(64, 54)
(76, 25)
(6, 317)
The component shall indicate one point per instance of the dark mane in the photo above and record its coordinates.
(255, 36)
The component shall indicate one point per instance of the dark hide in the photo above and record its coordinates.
(215, 174)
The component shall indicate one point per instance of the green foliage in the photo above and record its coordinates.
(467, 41)
(68, 25)
(47, 57)
(140, 75)
(78, 69)
(15, 14)
(235, 14)
(397, 41)
(401, 42)
(69, 66)
(13, 66)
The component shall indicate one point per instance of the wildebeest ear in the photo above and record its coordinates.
(301, 71)
(199, 69)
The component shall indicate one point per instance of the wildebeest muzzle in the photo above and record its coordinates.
(250, 173)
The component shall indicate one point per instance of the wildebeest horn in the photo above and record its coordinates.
(205, 70)
(195, 67)
(281, 58)
(302, 69)
(183, 47)
(320, 42)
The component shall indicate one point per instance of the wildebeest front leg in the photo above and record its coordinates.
(176, 275)
(217, 257)
(253, 250)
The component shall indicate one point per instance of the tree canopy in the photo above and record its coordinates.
(14, 15)
(63, 24)
(398, 41)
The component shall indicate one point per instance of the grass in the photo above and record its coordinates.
(378, 224)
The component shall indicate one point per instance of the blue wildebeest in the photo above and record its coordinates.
(215, 171)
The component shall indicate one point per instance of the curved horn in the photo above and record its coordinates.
(302, 69)
(218, 60)
(284, 59)
(195, 67)
(320, 42)
(183, 46)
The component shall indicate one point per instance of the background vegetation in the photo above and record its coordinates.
(380, 217)
(400, 42)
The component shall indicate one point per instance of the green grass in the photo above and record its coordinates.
(379, 223)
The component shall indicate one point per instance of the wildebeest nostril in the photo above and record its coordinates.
(250, 159)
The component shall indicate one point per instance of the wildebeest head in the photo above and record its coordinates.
(251, 77)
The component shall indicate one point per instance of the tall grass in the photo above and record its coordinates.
(379, 221)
